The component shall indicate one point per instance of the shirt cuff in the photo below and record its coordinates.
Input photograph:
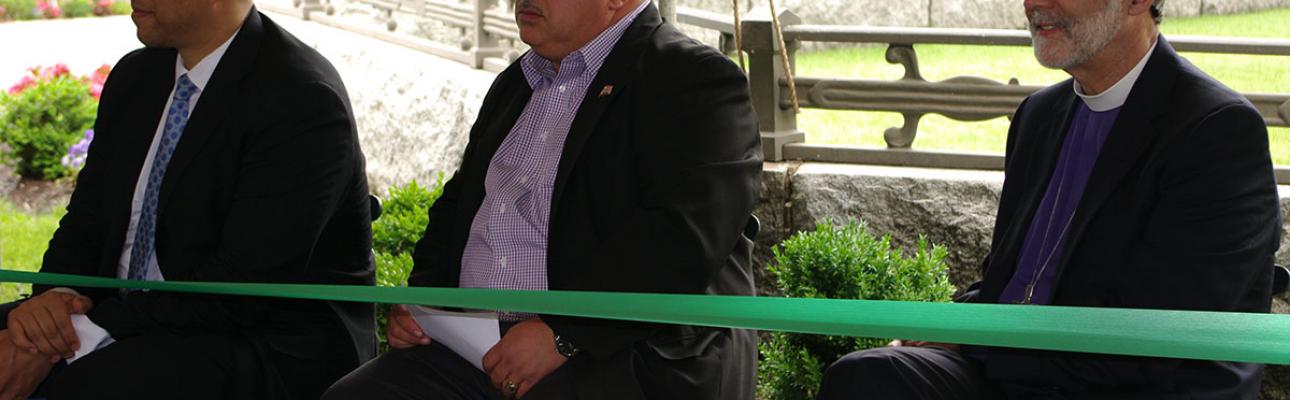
(91, 335)
(66, 290)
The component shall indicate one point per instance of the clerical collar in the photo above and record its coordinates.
(1115, 97)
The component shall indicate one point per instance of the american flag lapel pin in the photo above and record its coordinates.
(607, 90)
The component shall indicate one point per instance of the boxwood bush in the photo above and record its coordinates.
(840, 262)
(395, 235)
(76, 8)
(18, 10)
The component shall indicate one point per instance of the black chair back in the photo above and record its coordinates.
(374, 206)
(1280, 279)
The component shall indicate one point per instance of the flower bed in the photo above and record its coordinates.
(14, 10)
(46, 120)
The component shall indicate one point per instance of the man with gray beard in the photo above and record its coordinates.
(1139, 183)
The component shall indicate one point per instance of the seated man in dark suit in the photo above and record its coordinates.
(617, 155)
(1141, 183)
(225, 151)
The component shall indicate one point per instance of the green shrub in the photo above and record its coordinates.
(840, 263)
(121, 7)
(404, 217)
(19, 9)
(39, 123)
(76, 8)
(392, 270)
(395, 235)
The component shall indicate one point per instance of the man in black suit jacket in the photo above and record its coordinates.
(1178, 210)
(653, 191)
(264, 182)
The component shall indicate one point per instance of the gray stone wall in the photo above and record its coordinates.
(976, 14)
(413, 110)
(1004, 14)
(954, 208)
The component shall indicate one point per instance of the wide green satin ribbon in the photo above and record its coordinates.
(1261, 338)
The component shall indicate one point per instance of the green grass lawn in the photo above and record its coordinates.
(23, 239)
(1268, 74)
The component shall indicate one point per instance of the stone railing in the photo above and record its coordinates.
(965, 98)
(486, 24)
(997, 14)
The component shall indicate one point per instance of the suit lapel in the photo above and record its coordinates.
(611, 80)
(1130, 138)
(216, 99)
(157, 82)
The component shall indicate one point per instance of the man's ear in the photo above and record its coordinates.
(1138, 7)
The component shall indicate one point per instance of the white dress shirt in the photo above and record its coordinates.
(92, 336)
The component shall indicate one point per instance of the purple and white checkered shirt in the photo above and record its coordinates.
(508, 237)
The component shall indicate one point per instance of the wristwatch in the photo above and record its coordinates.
(565, 347)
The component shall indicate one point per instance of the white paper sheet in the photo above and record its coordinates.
(469, 334)
(91, 336)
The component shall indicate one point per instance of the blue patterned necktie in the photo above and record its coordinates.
(145, 233)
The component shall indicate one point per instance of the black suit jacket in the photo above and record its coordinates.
(1180, 212)
(653, 193)
(266, 184)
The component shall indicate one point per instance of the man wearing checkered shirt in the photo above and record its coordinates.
(616, 155)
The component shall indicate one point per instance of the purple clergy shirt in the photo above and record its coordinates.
(507, 245)
(1046, 239)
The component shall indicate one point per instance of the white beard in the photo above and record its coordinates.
(1085, 38)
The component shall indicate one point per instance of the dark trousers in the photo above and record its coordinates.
(900, 373)
(203, 366)
(435, 372)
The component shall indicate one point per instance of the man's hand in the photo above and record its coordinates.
(21, 371)
(402, 331)
(44, 323)
(523, 357)
(920, 343)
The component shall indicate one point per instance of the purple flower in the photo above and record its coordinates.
(76, 154)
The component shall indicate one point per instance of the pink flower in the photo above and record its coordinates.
(97, 79)
(100, 75)
(96, 90)
(22, 84)
(55, 71)
(35, 75)
(49, 8)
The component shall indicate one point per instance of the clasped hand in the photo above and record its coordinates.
(523, 357)
(21, 371)
(43, 324)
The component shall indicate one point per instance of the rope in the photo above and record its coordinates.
(783, 54)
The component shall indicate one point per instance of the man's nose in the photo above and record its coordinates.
(1031, 5)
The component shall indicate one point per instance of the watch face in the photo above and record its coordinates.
(564, 347)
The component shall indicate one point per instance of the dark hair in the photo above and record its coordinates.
(1155, 11)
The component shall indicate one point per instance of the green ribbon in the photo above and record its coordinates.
(1245, 337)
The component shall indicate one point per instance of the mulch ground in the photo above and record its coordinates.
(35, 196)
